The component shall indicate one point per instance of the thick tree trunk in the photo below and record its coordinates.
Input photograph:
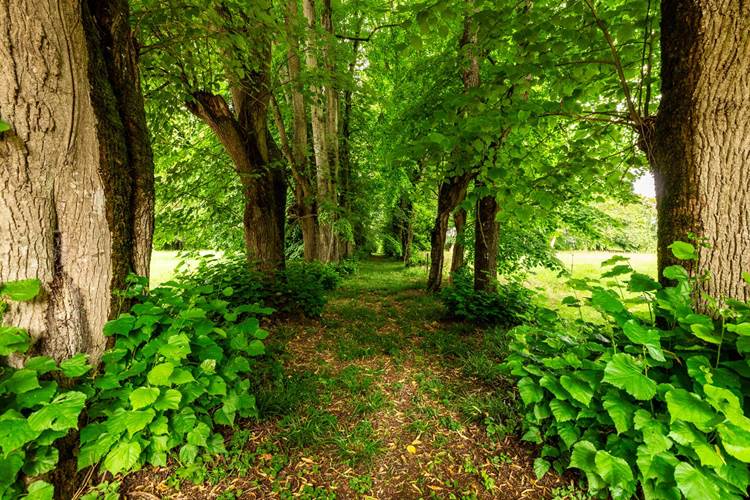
(486, 232)
(450, 195)
(700, 148)
(76, 204)
(459, 249)
(345, 197)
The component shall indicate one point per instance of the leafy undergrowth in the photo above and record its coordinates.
(379, 398)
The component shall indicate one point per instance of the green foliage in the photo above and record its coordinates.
(179, 367)
(36, 411)
(299, 289)
(655, 401)
(512, 303)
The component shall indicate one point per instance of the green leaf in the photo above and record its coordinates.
(683, 251)
(123, 457)
(188, 454)
(642, 283)
(530, 392)
(75, 366)
(159, 374)
(93, 451)
(693, 483)
(624, 372)
(41, 364)
(578, 390)
(735, 440)
(61, 414)
(686, 406)
(606, 300)
(143, 397)
(541, 466)
(40, 460)
(562, 411)
(21, 381)
(13, 339)
(616, 473)
(199, 435)
(14, 433)
(584, 458)
(131, 420)
(169, 400)
(4, 126)
(176, 348)
(619, 410)
(120, 326)
(649, 338)
(40, 490)
(678, 273)
(21, 290)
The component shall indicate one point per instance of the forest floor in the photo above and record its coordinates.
(379, 398)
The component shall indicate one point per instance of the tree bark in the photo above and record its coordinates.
(406, 227)
(450, 195)
(304, 192)
(76, 204)
(326, 194)
(700, 148)
(486, 232)
(459, 249)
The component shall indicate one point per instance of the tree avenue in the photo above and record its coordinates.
(366, 235)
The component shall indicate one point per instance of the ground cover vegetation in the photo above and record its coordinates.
(365, 248)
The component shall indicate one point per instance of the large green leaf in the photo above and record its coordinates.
(61, 414)
(619, 410)
(13, 339)
(75, 366)
(694, 483)
(683, 250)
(21, 290)
(686, 406)
(123, 457)
(578, 389)
(14, 433)
(624, 372)
(648, 337)
(159, 374)
(40, 490)
(143, 397)
(562, 411)
(616, 473)
(530, 392)
(736, 440)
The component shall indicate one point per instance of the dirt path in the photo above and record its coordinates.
(379, 398)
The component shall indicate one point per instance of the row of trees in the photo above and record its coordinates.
(511, 110)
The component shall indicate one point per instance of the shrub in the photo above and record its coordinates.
(36, 411)
(178, 368)
(299, 289)
(653, 400)
(511, 304)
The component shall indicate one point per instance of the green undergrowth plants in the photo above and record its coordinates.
(179, 371)
(511, 304)
(651, 405)
(37, 410)
(299, 289)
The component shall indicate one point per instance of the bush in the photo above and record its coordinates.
(653, 400)
(178, 368)
(299, 289)
(36, 411)
(512, 303)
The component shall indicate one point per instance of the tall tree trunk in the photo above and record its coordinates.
(452, 191)
(701, 142)
(486, 232)
(76, 206)
(459, 249)
(406, 227)
(302, 172)
(326, 194)
(345, 198)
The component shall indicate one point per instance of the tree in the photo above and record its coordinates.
(76, 210)
(216, 63)
(700, 144)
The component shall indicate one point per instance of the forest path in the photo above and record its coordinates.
(380, 398)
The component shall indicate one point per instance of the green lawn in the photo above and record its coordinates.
(164, 264)
(554, 288)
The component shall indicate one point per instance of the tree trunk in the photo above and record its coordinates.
(451, 193)
(304, 191)
(76, 204)
(406, 227)
(345, 198)
(486, 231)
(701, 143)
(326, 195)
(459, 249)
